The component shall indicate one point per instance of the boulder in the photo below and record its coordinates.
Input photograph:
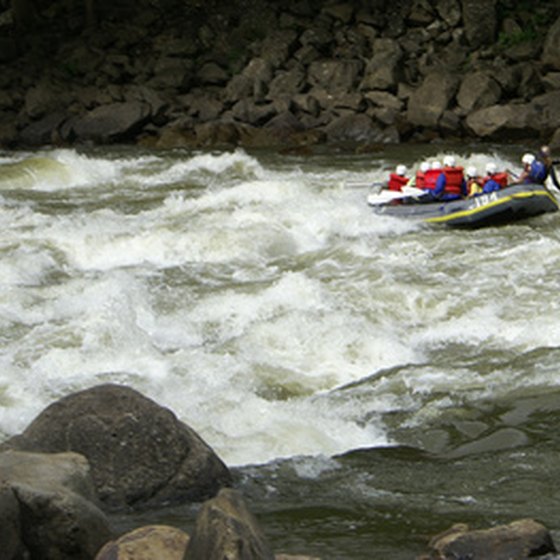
(449, 11)
(383, 71)
(225, 528)
(334, 76)
(56, 514)
(287, 83)
(44, 131)
(140, 453)
(147, 543)
(353, 128)
(503, 121)
(478, 90)
(551, 49)
(479, 19)
(112, 123)
(427, 104)
(519, 540)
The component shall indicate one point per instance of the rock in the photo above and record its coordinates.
(334, 76)
(147, 543)
(212, 73)
(383, 71)
(11, 535)
(551, 49)
(547, 110)
(519, 540)
(287, 83)
(57, 516)
(225, 528)
(44, 98)
(479, 19)
(44, 131)
(449, 11)
(248, 111)
(431, 99)
(139, 453)
(501, 121)
(113, 122)
(478, 90)
(353, 128)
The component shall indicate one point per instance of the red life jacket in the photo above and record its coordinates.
(430, 178)
(500, 178)
(420, 180)
(397, 182)
(454, 179)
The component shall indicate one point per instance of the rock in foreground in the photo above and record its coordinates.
(140, 453)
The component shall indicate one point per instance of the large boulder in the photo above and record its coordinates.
(478, 90)
(504, 121)
(428, 103)
(519, 540)
(140, 453)
(54, 515)
(225, 528)
(334, 76)
(113, 122)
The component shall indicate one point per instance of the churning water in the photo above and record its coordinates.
(371, 381)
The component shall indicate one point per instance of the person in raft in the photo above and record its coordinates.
(398, 179)
(534, 170)
(420, 177)
(494, 181)
(474, 181)
(450, 184)
(546, 158)
(430, 177)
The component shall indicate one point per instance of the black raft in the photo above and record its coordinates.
(513, 203)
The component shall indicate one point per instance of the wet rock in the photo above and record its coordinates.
(147, 543)
(114, 122)
(225, 528)
(519, 540)
(140, 453)
(11, 535)
(353, 128)
(56, 513)
(44, 131)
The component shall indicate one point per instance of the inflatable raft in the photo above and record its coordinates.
(513, 203)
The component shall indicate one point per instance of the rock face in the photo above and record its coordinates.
(140, 453)
(48, 507)
(519, 540)
(169, 74)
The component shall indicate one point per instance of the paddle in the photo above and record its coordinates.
(386, 196)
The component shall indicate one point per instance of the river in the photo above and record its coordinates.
(369, 381)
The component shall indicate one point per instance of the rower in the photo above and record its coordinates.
(398, 179)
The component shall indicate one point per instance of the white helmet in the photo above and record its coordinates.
(424, 166)
(472, 171)
(528, 159)
(401, 170)
(449, 161)
(491, 168)
(436, 165)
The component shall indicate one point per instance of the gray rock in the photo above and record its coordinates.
(140, 453)
(114, 122)
(334, 76)
(57, 516)
(478, 90)
(354, 128)
(479, 19)
(384, 70)
(225, 528)
(503, 120)
(431, 99)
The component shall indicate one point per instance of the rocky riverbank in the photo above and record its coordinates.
(109, 449)
(261, 74)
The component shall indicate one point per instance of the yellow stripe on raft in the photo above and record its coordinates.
(491, 204)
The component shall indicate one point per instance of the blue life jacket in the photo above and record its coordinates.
(538, 172)
(491, 186)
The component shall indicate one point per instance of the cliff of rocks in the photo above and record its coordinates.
(258, 73)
